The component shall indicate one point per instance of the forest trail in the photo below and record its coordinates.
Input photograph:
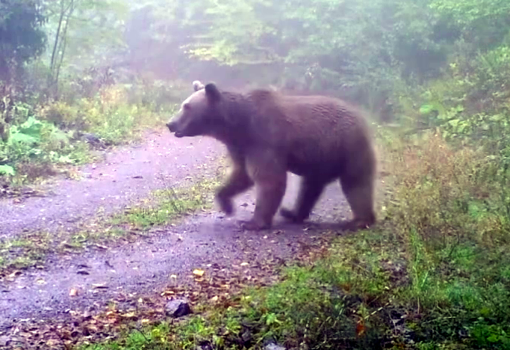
(123, 177)
(143, 266)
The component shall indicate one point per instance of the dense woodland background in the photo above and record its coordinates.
(422, 63)
(434, 74)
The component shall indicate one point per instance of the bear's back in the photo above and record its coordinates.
(313, 117)
(313, 131)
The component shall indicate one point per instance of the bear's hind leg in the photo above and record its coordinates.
(309, 193)
(360, 195)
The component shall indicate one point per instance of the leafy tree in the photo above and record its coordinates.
(21, 39)
(358, 47)
(484, 23)
(21, 36)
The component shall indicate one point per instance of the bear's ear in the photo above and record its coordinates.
(197, 85)
(212, 92)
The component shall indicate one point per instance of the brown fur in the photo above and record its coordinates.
(267, 134)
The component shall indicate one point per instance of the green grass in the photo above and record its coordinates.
(367, 293)
(166, 205)
(160, 208)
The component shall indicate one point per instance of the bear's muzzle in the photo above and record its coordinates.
(171, 126)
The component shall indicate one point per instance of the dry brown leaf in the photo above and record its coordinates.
(360, 328)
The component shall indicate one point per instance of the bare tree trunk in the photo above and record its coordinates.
(57, 39)
(59, 46)
(63, 46)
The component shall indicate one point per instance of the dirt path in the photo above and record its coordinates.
(127, 174)
(144, 266)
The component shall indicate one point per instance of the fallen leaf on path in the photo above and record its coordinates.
(52, 343)
(14, 274)
(129, 315)
(360, 329)
(198, 272)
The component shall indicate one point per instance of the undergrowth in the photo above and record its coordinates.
(434, 275)
(45, 139)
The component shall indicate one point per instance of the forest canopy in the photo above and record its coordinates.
(362, 48)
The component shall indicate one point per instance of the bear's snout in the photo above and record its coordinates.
(171, 126)
(174, 128)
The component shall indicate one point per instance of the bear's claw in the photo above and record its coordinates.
(226, 205)
(252, 225)
(290, 215)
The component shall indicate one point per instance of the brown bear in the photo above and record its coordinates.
(267, 134)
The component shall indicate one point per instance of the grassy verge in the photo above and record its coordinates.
(162, 207)
(434, 275)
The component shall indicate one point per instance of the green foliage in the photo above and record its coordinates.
(34, 146)
(451, 208)
(7, 170)
(483, 22)
(82, 34)
(470, 105)
(166, 205)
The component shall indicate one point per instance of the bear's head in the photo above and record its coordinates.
(200, 114)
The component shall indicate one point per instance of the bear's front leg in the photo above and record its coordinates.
(238, 182)
(270, 179)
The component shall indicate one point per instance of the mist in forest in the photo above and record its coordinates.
(418, 63)
(364, 51)
(78, 77)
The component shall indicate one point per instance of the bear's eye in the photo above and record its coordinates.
(186, 107)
